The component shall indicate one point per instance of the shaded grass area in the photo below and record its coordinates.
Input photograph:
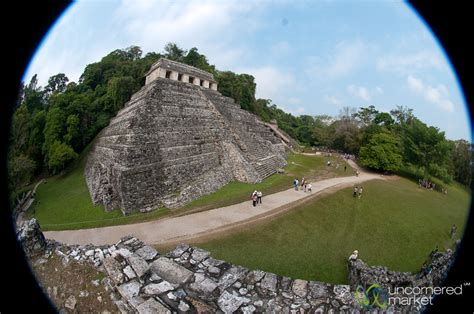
(64, 203)
(395, 224)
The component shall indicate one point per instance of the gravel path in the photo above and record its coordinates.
(174, 229)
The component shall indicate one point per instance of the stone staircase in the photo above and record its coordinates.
(268, 166)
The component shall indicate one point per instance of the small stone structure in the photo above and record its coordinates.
(188, 279)
(177, 71)
(174, 142)
(363, 276)
(31, 237)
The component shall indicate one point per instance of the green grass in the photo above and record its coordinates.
(64, 203)
(394, 224)
(311, 167)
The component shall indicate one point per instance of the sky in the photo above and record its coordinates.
(308, 57)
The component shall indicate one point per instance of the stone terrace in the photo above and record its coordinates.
(174, 142)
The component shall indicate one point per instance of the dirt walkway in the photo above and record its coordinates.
(170, 230)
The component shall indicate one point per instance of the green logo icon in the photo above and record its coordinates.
(374, 296)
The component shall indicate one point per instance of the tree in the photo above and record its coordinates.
(73, 134)
(382, 152)
(20, 170)
(462, 162)
(59, 156)
(383, 118)
(57, 84)
(366, 115)
(33, 97)
(402, 114)
(120, 89)
(173, 52)
(20, 130)
(54, 127)
(195, 59)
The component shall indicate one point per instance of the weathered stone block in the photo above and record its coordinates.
(170, 271)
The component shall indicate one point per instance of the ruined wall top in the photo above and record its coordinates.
(177, 71)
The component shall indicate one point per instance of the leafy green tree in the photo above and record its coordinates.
(462, 161)
(120, 89)
(36, 138)
(173, 52)
(73, 134)
(34, 96)
(55, 127)
(59, 156)
(382, 152)
(197, 60)
(21, 169)
(20, 129)
(57, 84)
(383, 118)
(366, 115)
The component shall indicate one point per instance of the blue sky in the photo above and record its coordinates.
(308, 57)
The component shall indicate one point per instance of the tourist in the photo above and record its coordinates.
(329, 163)
(305, 186)
(360, 191)
(302, 183)
(356, 191)
(295, 183)
(309, 187)
(254, 198)
(453, 231)
(259, 197)
(357, 173)
(345, 168)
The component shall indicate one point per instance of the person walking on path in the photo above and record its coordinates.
(357, 173)
(259, 197)
(295, 183)
(302, 183)
(254, 198)
(360, 191)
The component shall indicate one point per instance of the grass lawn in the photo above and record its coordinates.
(299, 166)
(64, 202)
(395, 224)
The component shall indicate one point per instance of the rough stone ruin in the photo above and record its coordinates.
(177, 139)
(188, 280)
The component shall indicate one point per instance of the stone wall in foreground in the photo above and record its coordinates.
(188, 279)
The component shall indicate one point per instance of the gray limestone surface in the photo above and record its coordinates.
(174, 142)
(177, 283)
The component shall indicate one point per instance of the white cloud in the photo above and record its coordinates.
(379, 90)
(407, 63)
(436, 95)
(347, 57)
(207, 25)
(333, 100)
(359, 92)
(415, 84)
(272, 82)
(89, 30)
